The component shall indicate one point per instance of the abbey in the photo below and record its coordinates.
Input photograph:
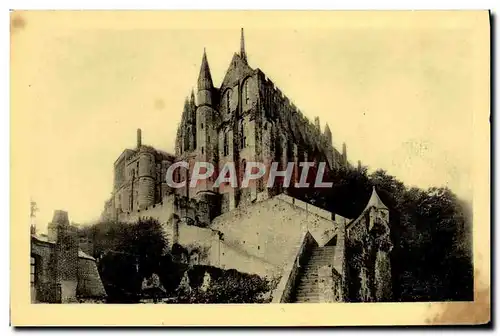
(255, 229)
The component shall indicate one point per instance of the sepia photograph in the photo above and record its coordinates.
(261, 159)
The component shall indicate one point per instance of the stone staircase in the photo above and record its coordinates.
(307, 290)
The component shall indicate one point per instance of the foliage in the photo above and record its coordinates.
(226, 286)
(126, 253)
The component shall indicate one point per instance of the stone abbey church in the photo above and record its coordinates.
(318, 256)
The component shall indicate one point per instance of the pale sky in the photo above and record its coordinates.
(399, 96)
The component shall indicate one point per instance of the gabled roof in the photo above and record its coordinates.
(238, 69)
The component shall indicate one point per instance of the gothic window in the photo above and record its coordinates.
(246, 95)
(228, 101)
(201, 125)
(243, 136)
(226, 144)
(202, 150)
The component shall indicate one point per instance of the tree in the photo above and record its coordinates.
(126, 252)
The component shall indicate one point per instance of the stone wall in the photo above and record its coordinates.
(271, 231)
(367, 253)
(66, 261)
(43, 253)
(89, 280)
(329, 283)
(286, 285)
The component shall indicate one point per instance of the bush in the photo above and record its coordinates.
(226, 286)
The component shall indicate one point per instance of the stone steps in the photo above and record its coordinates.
(307, 290)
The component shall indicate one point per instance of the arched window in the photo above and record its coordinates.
(246, 94)
(243, 136)
(226, 144)
(228, 101)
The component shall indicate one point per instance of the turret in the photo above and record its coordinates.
(65, 254)
(344, 153)
(243, 54)
(328, 135)
(192, 107)
(317, 123)
(206, 139)
(205, 84)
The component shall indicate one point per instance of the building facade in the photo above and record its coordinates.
(245, 119)
(254, 229)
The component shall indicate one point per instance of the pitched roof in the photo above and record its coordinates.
(375, 201)
(84, 255)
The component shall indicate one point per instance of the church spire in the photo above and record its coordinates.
(205, 78)
(243, 54)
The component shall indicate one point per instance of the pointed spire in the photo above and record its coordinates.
(317, 123)
(328, 134)
(344, 153)
(375, 201)
(327, 129)
(192, 95)
(205, 78)
(243, 54)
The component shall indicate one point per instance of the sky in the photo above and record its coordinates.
(398, 92)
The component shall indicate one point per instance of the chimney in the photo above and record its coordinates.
(139, 138)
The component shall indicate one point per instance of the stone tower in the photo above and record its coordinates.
(145, 178)
(206, 144)
(65, 254)
(379, 233)
(328, 135)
